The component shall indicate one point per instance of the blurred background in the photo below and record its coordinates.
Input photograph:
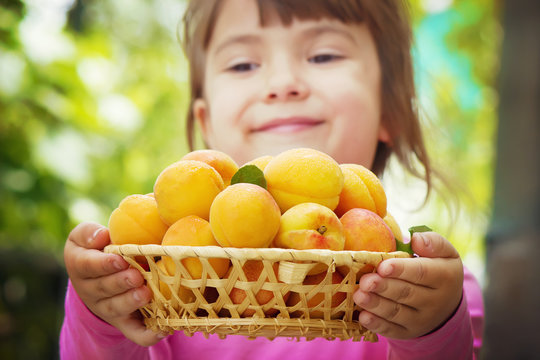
(93, 96)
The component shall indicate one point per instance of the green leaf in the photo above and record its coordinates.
(250, 174)
(419, 228)
(401, 246)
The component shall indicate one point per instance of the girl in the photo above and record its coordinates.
(266, 76)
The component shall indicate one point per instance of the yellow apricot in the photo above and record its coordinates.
(244, 215)
(136, 221)
(260, 162)
(220, 161)
(193, 231)
(310, 226)
(186, 187)
(355, 194)
(362, 189)
(304, 175)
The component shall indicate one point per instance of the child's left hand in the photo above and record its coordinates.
(407, 298)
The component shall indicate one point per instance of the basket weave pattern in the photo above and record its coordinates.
(210, 309)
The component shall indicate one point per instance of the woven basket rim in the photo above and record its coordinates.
(342, 257)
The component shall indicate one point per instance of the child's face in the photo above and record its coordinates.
(267, 89)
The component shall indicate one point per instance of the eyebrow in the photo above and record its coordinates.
(324, 29)
(239, 39)
(317, 30)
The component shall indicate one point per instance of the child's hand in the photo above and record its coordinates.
(106, 284)
(408, 298)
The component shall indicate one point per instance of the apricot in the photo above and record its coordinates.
(187, 187)
(220, 161)
(244, 215)
(394, 227)
(319, 297)
(304, 175)
(193, 231)
(310, 226)
(253, 269)
(260, 162)
(136, 220)
(185, 294)
(361, 189)
(365, 230)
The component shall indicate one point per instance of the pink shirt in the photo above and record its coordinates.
(85, 336)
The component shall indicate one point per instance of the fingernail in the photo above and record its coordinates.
(387, 270)
(425, 239)
(366, 320)
(162, 335)
(137, 296)
(361, 298)
(130, 283)
(95, 234)
(118, 265)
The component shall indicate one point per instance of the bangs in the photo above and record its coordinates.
(346, 11)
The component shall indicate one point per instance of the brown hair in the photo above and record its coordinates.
(388, 22)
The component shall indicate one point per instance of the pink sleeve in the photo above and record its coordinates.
(85, 336)
(459, 338)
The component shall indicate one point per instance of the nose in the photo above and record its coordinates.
(285, 83)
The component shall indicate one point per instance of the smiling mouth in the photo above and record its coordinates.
(288, 125)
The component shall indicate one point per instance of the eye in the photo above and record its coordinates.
(324, 58)
(243, 67)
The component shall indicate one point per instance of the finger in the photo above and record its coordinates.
(420, 271)
(433, 245)
(388, 310)
(91, 263)
(382, 327)
(114, 284)
(134, 329)
(90, 235)
(396, 290)
(124, 304)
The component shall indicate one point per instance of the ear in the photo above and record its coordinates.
(200, 113)
(384, 135)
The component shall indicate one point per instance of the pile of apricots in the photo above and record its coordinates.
(301, 199)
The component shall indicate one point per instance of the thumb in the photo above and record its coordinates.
(433, 245)
(90, 236)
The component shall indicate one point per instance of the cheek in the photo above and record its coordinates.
(225, 116)
(358, 109)
(352, 92)
(356, 126)
(221, 107)
(228, 102)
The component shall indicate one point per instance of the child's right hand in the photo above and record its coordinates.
(106, 284)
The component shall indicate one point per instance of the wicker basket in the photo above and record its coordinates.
(210, 310)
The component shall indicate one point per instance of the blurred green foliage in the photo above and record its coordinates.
(92, 101)
(457, 62)
(93, 96)
(92, 105)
